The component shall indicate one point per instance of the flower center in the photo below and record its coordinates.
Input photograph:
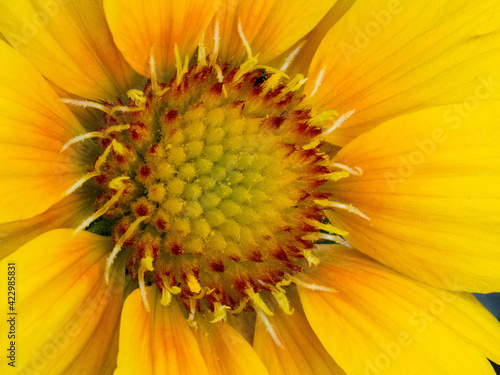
(211, 186)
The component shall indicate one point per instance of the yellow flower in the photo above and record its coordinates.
(177, 197)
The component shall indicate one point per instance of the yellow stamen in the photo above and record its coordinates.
(215, 52)
(334, 238)
(118, 147)
(103, 209)
(240, 308)
(285, 282)
(318, 81)
(257, 301)
(81, 181)
(182, 68)
(166, 294)
(204, 291)
(315, 287)
(244, 39)
(270, 330)
(166, 297)
(193, 284)
(289, 59)
(123, 108)
(82, 137)
(119, 244)
(356, 171)
(311, 259)
(146, 264)
(86, 103)
(202, 54)
(137, 96)
(319, 119)
(100, 161)
(283, 302)
(335, 176)
(296, 82)
(312, 144)
(192, 310)
(220, 312)
(337, 123)
(327, 227)
(152, 68)
(220, 76)
(342, 206)
(274, 80)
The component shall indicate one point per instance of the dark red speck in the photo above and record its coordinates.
(145, 171)
(175, 248)
(171, 115)
(255, 256)
(217, 265)
(161, 224)
(141, 210)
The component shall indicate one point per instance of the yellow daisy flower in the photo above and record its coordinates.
(249, 187)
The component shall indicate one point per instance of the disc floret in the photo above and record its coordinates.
(211, 186)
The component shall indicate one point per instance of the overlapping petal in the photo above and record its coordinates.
(138, 25)
(270, 27)
(430, 188)
(225, 351)
(297, 349)
(34, 125)
(386, 58)
(66, 314)
(68, 213)
(70, 43)
(379, 321)
(156, 342)
(309, 44)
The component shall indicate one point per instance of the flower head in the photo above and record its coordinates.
(220, 187)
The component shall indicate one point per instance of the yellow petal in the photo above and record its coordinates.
(430, 188)
(87, 116)
(310, 42)
(379, 321)
(385, 58)
(299, 350)
(34, 126)
(138, 25)
(226, 352)
(70, 43)
(68, 213)
(269, 26)
(158, 342)
(66, 314)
